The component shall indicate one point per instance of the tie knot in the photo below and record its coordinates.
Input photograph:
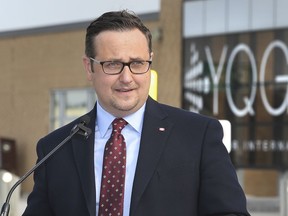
(118, 124)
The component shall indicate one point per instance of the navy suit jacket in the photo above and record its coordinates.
(183, 170)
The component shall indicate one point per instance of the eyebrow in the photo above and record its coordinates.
(130, 59)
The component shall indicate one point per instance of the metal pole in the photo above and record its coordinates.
(283, 193)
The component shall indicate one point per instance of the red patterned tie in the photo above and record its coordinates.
(113, 172)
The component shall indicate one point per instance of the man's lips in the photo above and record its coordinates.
(124, 90)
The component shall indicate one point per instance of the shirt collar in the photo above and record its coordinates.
(104, 119)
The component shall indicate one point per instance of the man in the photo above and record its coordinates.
(174, 161)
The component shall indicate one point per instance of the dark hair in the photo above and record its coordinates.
(114, 21)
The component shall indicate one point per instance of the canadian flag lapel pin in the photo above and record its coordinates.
(161, 129)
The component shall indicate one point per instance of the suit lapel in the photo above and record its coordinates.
(154, 134)
(83, 150)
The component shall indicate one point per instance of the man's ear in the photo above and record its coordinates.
(151, 55)
(88, 67)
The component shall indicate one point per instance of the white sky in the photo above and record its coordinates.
(26, 14)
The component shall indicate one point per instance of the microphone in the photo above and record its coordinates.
(79, 128)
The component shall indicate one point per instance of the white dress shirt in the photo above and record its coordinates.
(132, 134)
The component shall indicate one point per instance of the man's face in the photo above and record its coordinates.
(124, 93)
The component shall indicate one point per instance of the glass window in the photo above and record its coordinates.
(68, 104)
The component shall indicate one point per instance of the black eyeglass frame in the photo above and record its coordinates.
(123, 65)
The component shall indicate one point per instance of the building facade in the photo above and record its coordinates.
(221, 58)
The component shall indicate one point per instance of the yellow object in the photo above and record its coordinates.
(153, 91)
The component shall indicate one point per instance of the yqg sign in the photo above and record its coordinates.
(242, 78)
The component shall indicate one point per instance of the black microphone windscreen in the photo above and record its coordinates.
(85, 119)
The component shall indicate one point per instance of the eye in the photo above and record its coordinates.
(113, 64)
(137, 63)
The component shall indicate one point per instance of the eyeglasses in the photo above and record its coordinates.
(116, 67)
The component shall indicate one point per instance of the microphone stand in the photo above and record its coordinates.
(79, 128)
